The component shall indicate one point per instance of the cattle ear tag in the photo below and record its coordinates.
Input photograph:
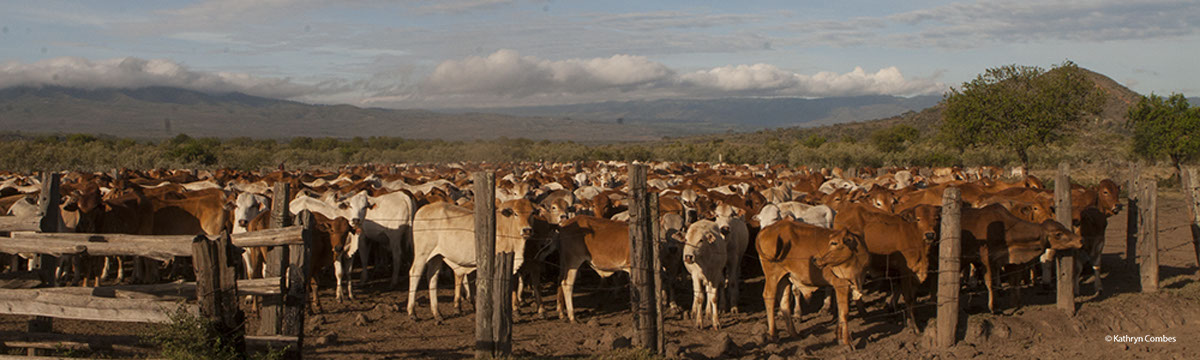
(372, 207)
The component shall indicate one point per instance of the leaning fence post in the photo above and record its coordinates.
(485, 252)
(1193, 195)
(49, 212)
(949, 266)
(1133, 191)
(216, 288)
(276, 264)
(1065, 260)
(1148, 240)
(642, 296)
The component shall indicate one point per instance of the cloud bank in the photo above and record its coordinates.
(132, 72)
(506, 77)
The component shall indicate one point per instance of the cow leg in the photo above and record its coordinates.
(414, 277)
(908, 288)
(698, 300)
(989, 283)
(458, 287)
(364, 256)
(120, 269)
(1096, 254)
(732, 283)
(397, 247)
(316, 301)
(248, 262)
(339, 272)
(712, 303)
(434, 268)
(843, 303)
(535, 282)
(567, 293)
(1047, 272)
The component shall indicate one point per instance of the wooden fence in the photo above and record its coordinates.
(214, 295)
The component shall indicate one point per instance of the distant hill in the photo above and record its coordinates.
(1109, 122)
(157, 112)
(738, 114)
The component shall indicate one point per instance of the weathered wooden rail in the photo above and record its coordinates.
(213, 295)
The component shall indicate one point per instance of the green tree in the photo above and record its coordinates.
(813, 141)
(894, 139)
(1017, 107)
(1165, 127)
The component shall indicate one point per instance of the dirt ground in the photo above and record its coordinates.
(375, 325)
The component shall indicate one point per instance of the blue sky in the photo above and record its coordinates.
(466, 53)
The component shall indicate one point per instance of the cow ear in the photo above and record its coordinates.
(909, 215)
(725, 230)
(506, 212)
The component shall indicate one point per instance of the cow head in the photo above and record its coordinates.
(1108, 197)
(672, 229)
(356, 207)
(559, 210)
(514, 227)
(702, 237)
(246, 207)
(845, 254)
(768, 215)
(928, 219)
(1060, 237)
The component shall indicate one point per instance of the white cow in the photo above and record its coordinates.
(246, 207)
(388, 221)
(333, 211)
(706, 257)
(737, 235)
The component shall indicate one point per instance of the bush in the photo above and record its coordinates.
(190, 337)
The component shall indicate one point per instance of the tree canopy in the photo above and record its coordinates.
(895, 138)
(1016, 107)
(1165, 127)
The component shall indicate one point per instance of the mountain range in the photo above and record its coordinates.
(159, 112)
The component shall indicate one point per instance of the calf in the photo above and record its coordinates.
(600, 242)
(994, 237)
(706, 257)
(788, 248)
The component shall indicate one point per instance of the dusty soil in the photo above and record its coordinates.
(1035, 330)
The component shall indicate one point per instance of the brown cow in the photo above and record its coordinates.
(993, 237)
(329, 247)
(601, 242)
(898, 244)
(788, 248)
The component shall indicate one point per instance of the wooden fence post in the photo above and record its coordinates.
(661, 337)
(1148, 240)
(1193, 196)
(296, 296)
(485, 252)
(642, 296)
(216, 288)
(276, 264)
(49, 211)
(1065, 260)
(502, 298)
(949, 267)
(1133, 190)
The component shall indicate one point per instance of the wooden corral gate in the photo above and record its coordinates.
(213, 296)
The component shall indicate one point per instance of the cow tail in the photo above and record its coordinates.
(780, 251)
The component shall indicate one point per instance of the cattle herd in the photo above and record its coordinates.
(808, 229)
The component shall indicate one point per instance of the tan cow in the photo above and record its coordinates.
(600, 242)
(447, 231)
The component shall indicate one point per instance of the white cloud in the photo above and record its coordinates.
(506, 77)
(131, 72)
(507, 73)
